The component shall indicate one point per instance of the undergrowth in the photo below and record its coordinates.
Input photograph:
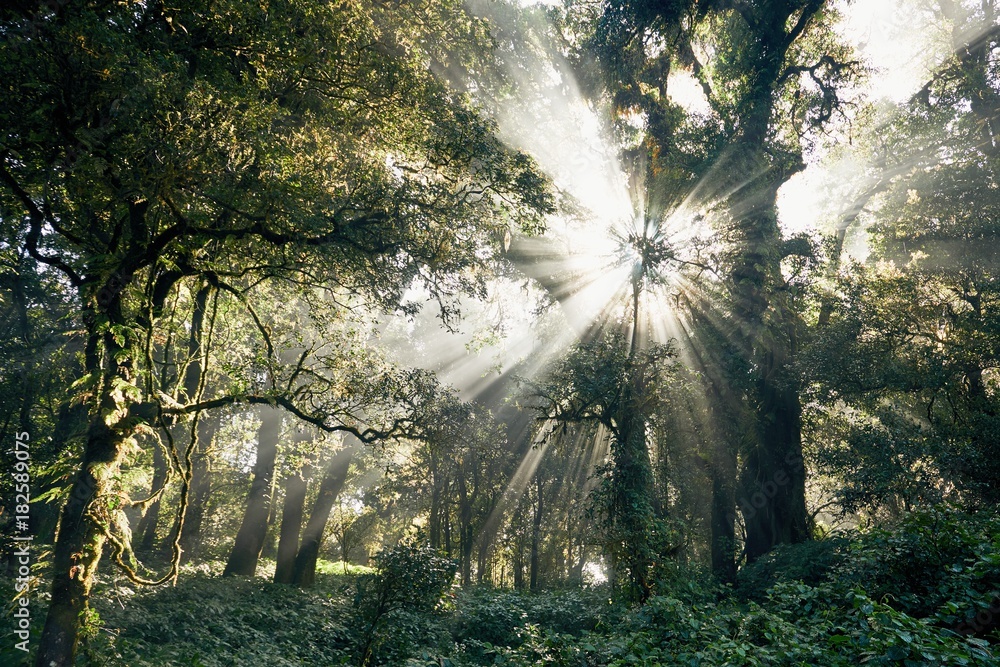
(923, 592)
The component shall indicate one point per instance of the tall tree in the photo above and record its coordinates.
(250, 538)
(147, 145)
(334, 477)
(770, 74)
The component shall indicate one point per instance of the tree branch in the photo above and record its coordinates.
(400, 427)
(36, 217)
(807, 13)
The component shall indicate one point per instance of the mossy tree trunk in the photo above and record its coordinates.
(80, 539)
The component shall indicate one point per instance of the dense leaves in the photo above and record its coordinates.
(221, 220)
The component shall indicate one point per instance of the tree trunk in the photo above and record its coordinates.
(80, 540)
(345, 546)
(767, 334)
(270, 548)
(773, 477)
(723, 518)
(291, 525)
(464, 530)
(631, 495)
(250, 538)
(434, 518)
(78, 548)
(517, 564)
(304, 573)
(446, 528)
(201, 486)
(536, 534)
(484, 571)
(146, 530)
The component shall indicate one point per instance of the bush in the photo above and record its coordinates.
(809, 562)
(404, 593)
(937, 563)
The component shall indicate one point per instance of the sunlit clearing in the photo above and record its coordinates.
(593, 573)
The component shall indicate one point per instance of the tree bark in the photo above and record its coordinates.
(80, 540)
(517, 564)
(201, 486)
(250, 538)
(78, 548)
(291, 526)
(434, 518)
(631, 493)
(304, 573)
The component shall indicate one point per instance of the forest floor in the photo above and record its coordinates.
(924, 593)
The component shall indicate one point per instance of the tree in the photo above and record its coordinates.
(334, 476)
(919, 321)
(250, 538)
(149, 146)
(597, 382)
(773, 75)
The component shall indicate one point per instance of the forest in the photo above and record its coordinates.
(496, 332)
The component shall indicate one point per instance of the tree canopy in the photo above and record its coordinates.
(481, 297)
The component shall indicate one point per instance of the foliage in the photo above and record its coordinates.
(205, 207)
(808, 562)
(588, 383)
(213, 622)
(392, 604)
(488, 617)
(937, 563)
(901, 597)
(905, 365)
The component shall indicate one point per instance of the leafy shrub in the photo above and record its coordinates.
(809, 562)
(404, 593)
(936, 563)
(490, 616)
(488, 623)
